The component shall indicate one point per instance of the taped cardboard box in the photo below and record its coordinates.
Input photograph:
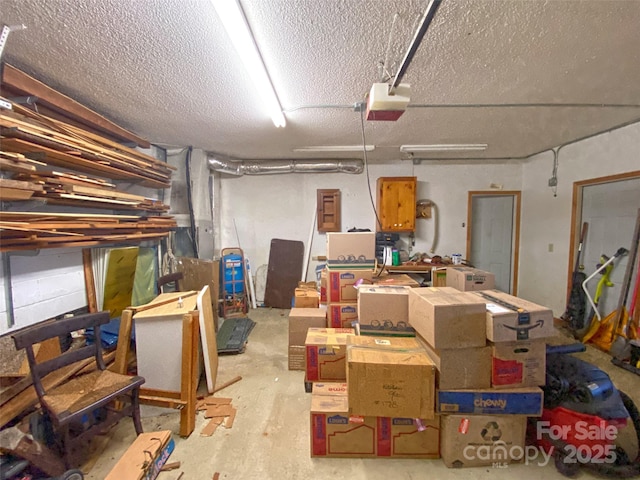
(384, 310)
(351, 249)
(396, 280)
(301, 319)
(478, 440)
(342, 315)
(510, 319)
(467, 279)
(336, 433)
(144, 458)
(296, 357)
(519, 364)
(325, 354)
(513, 401)
(461, 368)
(341, 284)
(447, 318)
(306, 298)
(389, 377)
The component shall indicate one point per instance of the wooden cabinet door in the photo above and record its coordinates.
(397, 204)
(328, 205)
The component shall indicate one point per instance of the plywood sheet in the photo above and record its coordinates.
(284, 272)
(208, 337)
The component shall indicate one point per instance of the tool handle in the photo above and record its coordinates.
(565, 349)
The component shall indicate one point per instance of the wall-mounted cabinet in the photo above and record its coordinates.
(328, 210)
(396, 204)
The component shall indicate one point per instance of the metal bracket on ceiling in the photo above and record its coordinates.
(4, 35)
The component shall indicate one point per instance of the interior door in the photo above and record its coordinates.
(492, 238)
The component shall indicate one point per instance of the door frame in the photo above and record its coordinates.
(515, 233)
(576, 215)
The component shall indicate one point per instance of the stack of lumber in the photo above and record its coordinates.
(35, 230)
(57, 143)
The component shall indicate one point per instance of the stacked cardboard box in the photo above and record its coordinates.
(326, 350)
(467, 279)
(350, 261)
(453, 326)
(300, 320)
(384, 310)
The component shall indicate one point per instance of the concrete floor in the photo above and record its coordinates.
(270, 436)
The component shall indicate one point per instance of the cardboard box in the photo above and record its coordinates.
(296, 357)
(341, 284)
(396, 280)
(323, 286)
(335, 433)
(144, 458)
(306, 298)
(389, 377)
(514, 401)
(325, 354)
(511, 319)
(461, 368)
(477, 440)
(301, 319)
(467, 279)
(353, 250)
(342, 315)
(330, 388)
(446, 319)
(384, 310)
(439, 277)
(519, 364)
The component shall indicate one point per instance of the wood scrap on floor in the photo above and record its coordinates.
(219, 410)
(226, 384)
(170, 466)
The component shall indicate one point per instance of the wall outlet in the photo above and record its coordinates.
(553, 181)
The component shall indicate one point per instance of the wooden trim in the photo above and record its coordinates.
(18, 80)
(124, 340)
(89, 282)
(576, 214)
(156, 392)
(517, 195)
(189, 380)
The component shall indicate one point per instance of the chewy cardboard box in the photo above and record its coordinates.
(447, 318)
(342, 315)
(519, 364)
(351, 250)
(511, 319)
(325, 354)
(302, 319)
(389, 377)
(384, 310)
(513, 401)
(144, 458)
(461, 368)
(336, 433)
(296, 357)
(467, 279)
(341, 284)
(306, 298)
(477, 440)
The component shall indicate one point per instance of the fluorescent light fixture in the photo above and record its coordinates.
(335, 148)
(234, 21)
(450, 147)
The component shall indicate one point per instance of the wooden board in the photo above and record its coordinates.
(135, 463)
(283, 273)
(208, 337)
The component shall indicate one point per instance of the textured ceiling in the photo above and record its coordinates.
(520, 75)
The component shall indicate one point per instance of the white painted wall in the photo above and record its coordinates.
(546, 219)
(283, 205)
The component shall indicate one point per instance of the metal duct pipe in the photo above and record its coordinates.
(220, 163)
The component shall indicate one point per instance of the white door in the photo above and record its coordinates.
(492, 236)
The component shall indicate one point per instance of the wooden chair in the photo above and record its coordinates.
(171, 278)
(82, 406)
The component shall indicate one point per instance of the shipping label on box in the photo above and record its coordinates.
(476, 440)
(519, 364)
(384, 310)
(461, 368)
(447, 318)
(353, 250)
(341, 284)
(296, 357)
(514, 401)
(301, 319)
(511, 319)
(325, 354)
(389, 377)
(336, 433)
(468, 279)
(342, 315)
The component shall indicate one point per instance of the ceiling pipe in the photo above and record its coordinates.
(220, 163)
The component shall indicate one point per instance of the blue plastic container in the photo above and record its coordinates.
(233, 274)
